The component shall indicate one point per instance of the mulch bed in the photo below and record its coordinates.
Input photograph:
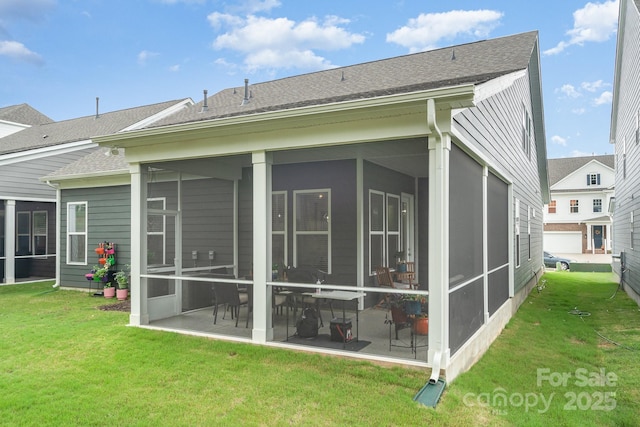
(119, 306)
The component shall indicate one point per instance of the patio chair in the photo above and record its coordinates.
(227, 294)
(408, 276)
(385, 280)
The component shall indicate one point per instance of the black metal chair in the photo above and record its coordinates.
(227, 294)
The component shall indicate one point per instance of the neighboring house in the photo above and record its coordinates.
(625, 134)
(28, 205)
(577, 220)
(18, 117)
(440, 155)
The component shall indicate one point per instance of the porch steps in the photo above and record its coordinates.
(430, 394)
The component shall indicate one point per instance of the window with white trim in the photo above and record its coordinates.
(77, 233)
(593, 179)
(40, 232)
(573, 206)
(377, 221)
(23, 233)
(517, 224)
(529, 233)
(393, 228)
(597, 205)
(527, 132)
(552, 207)
(156, 231)
(312, 229)
(631, 229)
(279, 227)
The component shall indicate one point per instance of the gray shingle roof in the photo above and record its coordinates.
(92, 163)
(23, 114)
(471, 63)
(80, 129)
(560, 168)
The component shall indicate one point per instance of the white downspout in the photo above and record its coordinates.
(439, 150)
(58, 228)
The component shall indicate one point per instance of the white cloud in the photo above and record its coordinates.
(425, 31)
(595, 22)
(559, 140)
(579, 111)
(605, 98)
(253, 6)
(592, 86)
(569, 90)
(19, 52)
(145, 55)
(174, 68)
(280, 42)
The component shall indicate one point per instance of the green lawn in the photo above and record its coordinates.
(64, 362)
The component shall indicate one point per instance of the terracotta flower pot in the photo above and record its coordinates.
(109, 292)
(421, 326)
(122, 294)
(99, 251)
(102, 261)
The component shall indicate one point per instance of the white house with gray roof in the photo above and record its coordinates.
(577, 219)
(36, 146)
(439, 156)
(625, 135)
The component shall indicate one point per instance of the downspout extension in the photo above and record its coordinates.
(56, 285)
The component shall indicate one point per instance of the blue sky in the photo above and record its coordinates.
(59, 55)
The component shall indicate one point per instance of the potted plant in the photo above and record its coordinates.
(101, 274)
(122, 282)
(401, 267)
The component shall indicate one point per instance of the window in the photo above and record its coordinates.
(593, 179)
(529, 233)
(40, 228)
(312, 229)
(517, 224)
(385, 237)
(156, 231)
(552, 207)
(279, 227)
(376, 229)
(637, 133)
(393, 228)
(23, 233)
(77, 233)
(527, 132)
(573, 206)
(631, 229)
(597, 205)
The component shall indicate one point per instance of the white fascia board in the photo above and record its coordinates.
(458, 96)
(160, 115)
(487, 90)
(103, 179)
(38, 153)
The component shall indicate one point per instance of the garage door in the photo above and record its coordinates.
(563, 242)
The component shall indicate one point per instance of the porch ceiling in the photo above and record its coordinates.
(408, 156)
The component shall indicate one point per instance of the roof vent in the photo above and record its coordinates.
(342, 78)
(205, 107)
(453, 54)
(97, 107)
(245, 100)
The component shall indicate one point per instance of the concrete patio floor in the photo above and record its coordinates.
(370, 328)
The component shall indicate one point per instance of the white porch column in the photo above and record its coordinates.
(138, 286)
(10, 241)
(262, 326)
(439, 150)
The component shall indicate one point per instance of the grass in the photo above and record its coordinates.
(63, 362)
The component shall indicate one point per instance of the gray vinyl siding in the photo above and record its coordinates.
(109, 219)
(21, 180)
(340, 177)
(494, 127)
(627, 187)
